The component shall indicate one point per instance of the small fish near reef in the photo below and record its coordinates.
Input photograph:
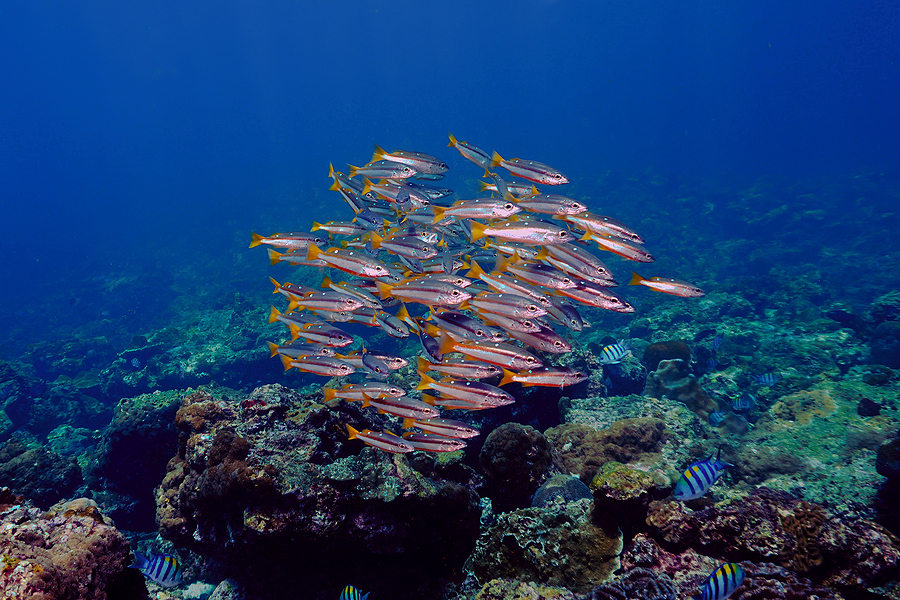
(699, 477)
(766, 379)
(351, 593)
(164, 569)
(721, 583)
(614, 353)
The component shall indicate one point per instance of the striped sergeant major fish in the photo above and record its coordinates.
(721, 583)
(766, 379)
(699, 477)
(351, 593)
(163, 569)
(614, 353)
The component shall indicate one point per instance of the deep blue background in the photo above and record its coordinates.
(137, 133)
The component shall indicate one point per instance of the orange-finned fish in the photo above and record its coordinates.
(423, 163)
(530, 170)
(445, 427)
(358, 391)
(430, 292)
(595, 295)
(620, 246)
(405, 407)
(327, 301)
(322, 333)
(296, 350)
(538, 274)
(519, 189)
(579, 262)
(546, 376)
(495, 353)
(296, 257)
(602, 225)
(510, 324)
(383, 169)
(478, 208)
(471, 152)
(319, 365)
(506, 284)
(349, 261)
(430, 442)
(288, 240)
(458, 403)
(530, 232)
(667, 285)
(512, 306)
(552, 204)
(545, 340)
(411, 247)
(470, 391)
(380, 439)
(461, 368)
(339, 228)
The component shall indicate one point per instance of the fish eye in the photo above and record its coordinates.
(563, 233)
(558, 344)
(532, 308)
(455, 292)
(508, 206)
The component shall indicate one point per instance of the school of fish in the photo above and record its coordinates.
(489, 285)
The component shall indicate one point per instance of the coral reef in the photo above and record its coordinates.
(636, 584)
(132, 454)
(583, 449)
(506, 589)
(38, 474)
(516, 459)
(770, 526)
(660, 351)
(270, 480)
(673, 378)
(557, 546)
(560, 488)
(67, 553)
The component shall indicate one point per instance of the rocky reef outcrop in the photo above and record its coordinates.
(71, 552)
(266, 483)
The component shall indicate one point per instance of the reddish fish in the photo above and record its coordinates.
(546, 376)
(667, 285)
(444, 427)
(381, 440)
(530, 170)
(430, 442)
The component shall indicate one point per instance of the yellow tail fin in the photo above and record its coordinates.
(256, 239)
(273, 348)
(274, 257)
(273, 314)
(507, 377)
(453, 141)
(636, 279)
(425, 383)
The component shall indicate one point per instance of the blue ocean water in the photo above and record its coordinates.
(152, 138)
(753, 144)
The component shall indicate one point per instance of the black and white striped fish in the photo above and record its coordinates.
(699, 477)
(721, 583)
(614, 353)
(163, 569)
(766, 379)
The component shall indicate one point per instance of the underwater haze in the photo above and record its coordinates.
(700, 244)
(138, 135)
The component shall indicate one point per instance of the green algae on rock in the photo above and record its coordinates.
(554, 547)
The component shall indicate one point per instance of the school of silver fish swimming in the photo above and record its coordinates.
(404, 250)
